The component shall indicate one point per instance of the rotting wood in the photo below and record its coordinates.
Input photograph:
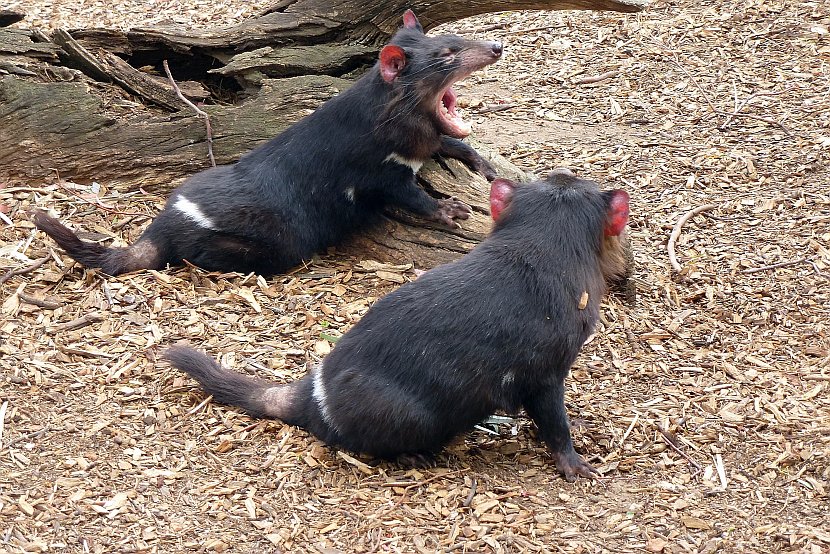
(290, 61)
(19, 43)
(126, 145)
(104, 125)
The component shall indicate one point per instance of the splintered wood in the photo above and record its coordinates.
(706, 407)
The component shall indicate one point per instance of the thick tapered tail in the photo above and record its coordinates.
(88, 253)
(258, 397)
(113, 261)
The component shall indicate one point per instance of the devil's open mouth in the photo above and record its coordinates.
(449, 118)
(452, 123)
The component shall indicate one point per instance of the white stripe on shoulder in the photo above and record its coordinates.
(414, 165)
(319, 394)
(193, 212)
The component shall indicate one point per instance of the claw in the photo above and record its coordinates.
(487, 170)
(450, 209)
(571, 465)
(416, 460)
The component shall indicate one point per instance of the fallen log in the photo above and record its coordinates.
(94, 104)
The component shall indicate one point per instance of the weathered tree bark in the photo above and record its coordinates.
(93, 104)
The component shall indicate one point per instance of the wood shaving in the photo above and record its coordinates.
(706, 407)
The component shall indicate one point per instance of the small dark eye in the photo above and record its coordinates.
(447, 52)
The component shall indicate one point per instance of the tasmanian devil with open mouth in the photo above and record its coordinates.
(323, 178)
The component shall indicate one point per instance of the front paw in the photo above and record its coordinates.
(450, 209)
(571, 465)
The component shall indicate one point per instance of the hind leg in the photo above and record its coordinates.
(231, 253)
(179, 238)
(377, 417)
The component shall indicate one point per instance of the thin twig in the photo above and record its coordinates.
(3, 407)
(775, 266)
(493, 27)
(628, 431)
(729, 115)
(670, 441)
(817, 270)
(40, 302)
(739, 106)
(22, 438)
(807, 261)
(98, 204)
(469, 499)
(420, 484)
(196, 109)
(497, 108)
(534, 29)
(81, 322)
(191, 411)
(200, 405)
(757, 118)
(29, 268)
(694, 81)
(597, 78)
(676, 232)
(769, 31)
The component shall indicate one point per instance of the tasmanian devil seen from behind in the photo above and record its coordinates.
(322, 178)
(495, 330)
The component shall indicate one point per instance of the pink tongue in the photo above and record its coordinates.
(457, 126)
(449, 100)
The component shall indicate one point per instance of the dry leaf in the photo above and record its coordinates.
(656, 545)
(116, 502)
(583, 300)
(389, 276)
(322, 347)
(364, 468)
(25, 507)
(691, 522)
(248, 296)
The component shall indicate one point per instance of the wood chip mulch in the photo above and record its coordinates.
(705, 406)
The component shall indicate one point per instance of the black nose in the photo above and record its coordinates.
(497, 49)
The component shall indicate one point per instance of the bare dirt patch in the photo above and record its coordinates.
(706, 405)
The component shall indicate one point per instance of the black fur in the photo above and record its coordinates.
(320, 180)
(227, 388)
(436, 356)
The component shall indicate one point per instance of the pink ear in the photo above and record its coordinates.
(410, 21)
(617, 213)
(501, 191)
(392, 62)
